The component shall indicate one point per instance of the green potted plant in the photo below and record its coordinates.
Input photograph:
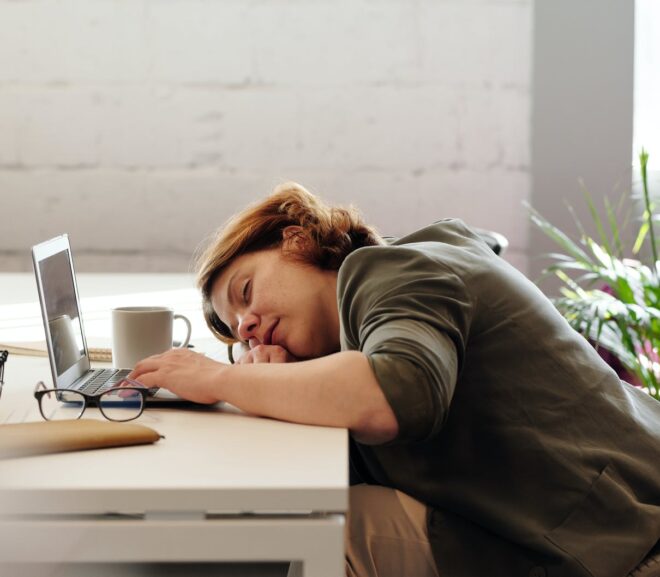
(612, 300)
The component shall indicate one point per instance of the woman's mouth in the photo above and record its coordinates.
(269, 338)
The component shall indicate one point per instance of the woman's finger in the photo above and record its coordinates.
(245, 359)
(279, 355)
(148, 380)
(147, 365)
(261, 354)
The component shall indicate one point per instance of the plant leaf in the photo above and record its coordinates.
(641, 235)
(559, 237)
(611, 217)
(597, 220)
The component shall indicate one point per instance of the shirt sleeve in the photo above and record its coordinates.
(409, 314)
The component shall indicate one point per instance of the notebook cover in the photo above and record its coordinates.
(42, 437)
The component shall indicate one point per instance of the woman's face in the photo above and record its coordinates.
(267, 298)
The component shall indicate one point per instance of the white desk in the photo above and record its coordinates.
(221, 486)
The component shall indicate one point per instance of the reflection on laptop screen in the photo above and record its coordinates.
(62, 310)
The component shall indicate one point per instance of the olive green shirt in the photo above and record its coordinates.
(533, 457)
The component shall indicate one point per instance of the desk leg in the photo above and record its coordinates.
(320, 557)
(295, 569)
(319, 565)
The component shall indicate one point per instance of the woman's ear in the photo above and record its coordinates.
(293, 237)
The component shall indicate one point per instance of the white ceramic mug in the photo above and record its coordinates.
(139, 332)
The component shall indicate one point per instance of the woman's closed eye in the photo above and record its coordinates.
(246, 291)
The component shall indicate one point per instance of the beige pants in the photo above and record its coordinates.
(386, 535)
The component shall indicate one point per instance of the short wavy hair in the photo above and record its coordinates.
(330, 234)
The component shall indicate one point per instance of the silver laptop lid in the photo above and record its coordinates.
(60, 310)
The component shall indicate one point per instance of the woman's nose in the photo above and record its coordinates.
(247, 327)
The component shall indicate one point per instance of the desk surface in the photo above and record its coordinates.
(212, 459)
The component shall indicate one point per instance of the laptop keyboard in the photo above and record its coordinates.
(103, 379)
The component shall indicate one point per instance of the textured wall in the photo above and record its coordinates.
(138, 126)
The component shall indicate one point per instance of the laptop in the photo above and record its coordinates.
(65, 335)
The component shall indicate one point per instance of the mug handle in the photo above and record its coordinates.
(185, 342)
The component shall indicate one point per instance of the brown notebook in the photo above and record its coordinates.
(42, 437)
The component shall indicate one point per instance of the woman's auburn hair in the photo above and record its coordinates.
(328, 234)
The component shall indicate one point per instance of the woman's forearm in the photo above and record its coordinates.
(337, 390)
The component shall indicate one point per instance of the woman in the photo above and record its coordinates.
(491, 438)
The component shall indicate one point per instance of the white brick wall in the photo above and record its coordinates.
(138, 126)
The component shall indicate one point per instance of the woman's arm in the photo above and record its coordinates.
(338, 390)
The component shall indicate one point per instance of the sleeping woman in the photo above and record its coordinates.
(487, 437)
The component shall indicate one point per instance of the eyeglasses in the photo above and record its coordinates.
(116, 404)
(3, 360)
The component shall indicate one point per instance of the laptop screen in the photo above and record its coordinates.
(62, 310)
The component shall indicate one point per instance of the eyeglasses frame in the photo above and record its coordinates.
(3, 359)
(92, 400)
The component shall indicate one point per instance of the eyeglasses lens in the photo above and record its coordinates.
(60, 405)
(122, 404)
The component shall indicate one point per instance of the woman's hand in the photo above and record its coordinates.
(189, 375)
(266, 354)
